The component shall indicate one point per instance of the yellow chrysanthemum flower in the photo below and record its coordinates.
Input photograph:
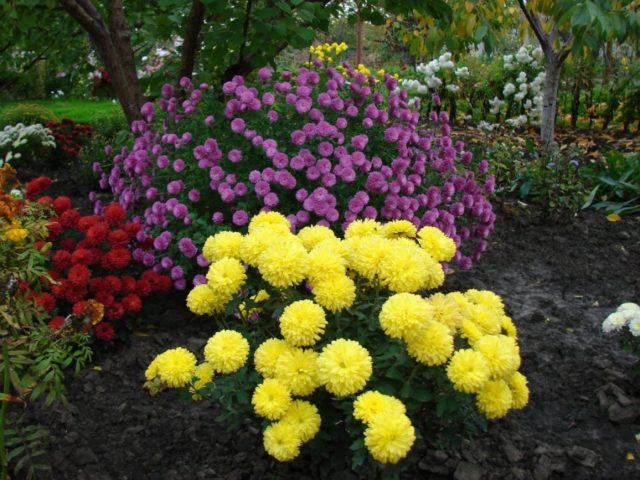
(272, 220)
(223, 244)
(335, 293)
(519, 390)
(365, 253)
(324, 263)
(336, 246)
(227, 351)
(468, 371)
(202, 300)
(362, 228)
(446, 311)
(344, 367)
(267, 354)
(485, 318)
(271, 399)
(204, 374)
(389, 437)
(302, 323)
(283, 264)
(254, 244)
(304, 418)
(494, 399)
(508, 327)
(437, 244)
(226, 276)
(408, 268)
(281, 441)
(403, 313)
(370, 404)
(470, 331)
(501, 353)
(314, 234)
(487, 299)
(398, 228)
(175, 367)
(432, 345)
(297, 370)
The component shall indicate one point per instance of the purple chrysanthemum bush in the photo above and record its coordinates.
(320, 147)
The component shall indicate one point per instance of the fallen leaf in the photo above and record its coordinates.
(630, 456)
(614, 217)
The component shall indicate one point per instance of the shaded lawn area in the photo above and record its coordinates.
(78, 110)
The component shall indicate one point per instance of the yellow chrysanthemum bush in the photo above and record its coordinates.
(345, 345)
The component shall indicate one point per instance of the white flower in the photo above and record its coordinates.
(634, 326)
(629, 307)
(614, 322)
(509, 88)
(452, 88)
(518, 97)
(462, 72)
(523, 88)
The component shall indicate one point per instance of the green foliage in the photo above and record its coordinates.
(26, 444)
(617, 183)
(26, 113)
(550, 181)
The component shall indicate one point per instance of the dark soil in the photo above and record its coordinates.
(559, 282)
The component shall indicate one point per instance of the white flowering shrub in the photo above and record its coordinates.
(625, 321)
(436, 77)
(520, 102)
(24, 142)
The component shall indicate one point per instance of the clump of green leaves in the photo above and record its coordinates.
(616, 183)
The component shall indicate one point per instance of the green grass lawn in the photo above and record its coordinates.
(78, 110)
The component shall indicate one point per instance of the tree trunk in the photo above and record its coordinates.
(453, 109)
(191, 39)
(358, 37)
(113, 45)
(549, 100)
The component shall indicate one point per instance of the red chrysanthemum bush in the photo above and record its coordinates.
(90, 259)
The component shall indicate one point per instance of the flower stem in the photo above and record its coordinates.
(3, 410)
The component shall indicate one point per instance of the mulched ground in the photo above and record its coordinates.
(558, 281)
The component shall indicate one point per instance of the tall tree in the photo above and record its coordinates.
(563, 27)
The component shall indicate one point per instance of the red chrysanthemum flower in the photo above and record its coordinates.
(79, 275)
(118, 238)
(104, 331)
(95, 284)
(82, 256)
(128, 284)
(97, 233)
(115, 311)
(143, 288)
(46, 200)
(46, 301)
(78, 307)
(116, 258)
(114, 214)
(105, 298)
(55, 228)
(112, 284)
(86, 222)
(163, 284)
(37, 185)
(61, 260)
(131, 228)
(61, 204)
(70, 218)
(67, 244)
(56, 323)
(74, 294)
(58, 290)
(131, 303)
(39, 245)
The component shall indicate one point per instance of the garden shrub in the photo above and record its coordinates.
(27, 114)
(33, 358)
(25, 144)
(70, 137)
(92, 266)
(345, 336)
(323, 148)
